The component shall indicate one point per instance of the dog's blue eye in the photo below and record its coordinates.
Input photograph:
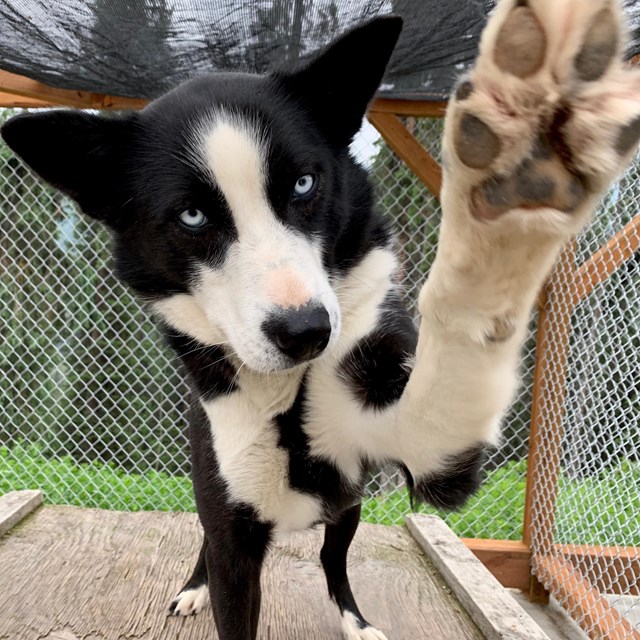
(193, 218)
(304, 185)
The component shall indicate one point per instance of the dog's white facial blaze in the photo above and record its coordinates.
(269, 267)
(235, 156)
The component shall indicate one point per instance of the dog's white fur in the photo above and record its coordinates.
(351, 630)
(191, 601)
(246, 442)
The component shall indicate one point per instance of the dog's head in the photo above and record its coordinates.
(226, 196)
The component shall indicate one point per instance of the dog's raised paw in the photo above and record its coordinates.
(189, 602)
(352, 629)
(549, 115)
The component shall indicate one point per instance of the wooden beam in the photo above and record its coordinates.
(608, 259)
(11, 101)
(17, 505)
(497, 614)
(26, 87)
(613, 570)
(417, 108)
(14, 88)
(588, 608)
(508, 560)
(408, 149)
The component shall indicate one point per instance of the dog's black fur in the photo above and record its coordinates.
(134, 173)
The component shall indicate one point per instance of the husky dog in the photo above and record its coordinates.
(239, 216)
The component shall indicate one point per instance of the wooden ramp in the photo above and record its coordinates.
(68, 574)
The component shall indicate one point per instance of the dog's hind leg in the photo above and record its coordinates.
(195, 593)
(337, 538)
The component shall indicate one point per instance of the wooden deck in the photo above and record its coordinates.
(68, 574)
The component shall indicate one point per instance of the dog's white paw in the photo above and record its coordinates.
(190, 601)
(547, 118)
(351, 629)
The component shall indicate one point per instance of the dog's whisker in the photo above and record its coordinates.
(361, 281)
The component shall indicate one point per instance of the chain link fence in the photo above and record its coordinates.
(93, 407)
(586, 503)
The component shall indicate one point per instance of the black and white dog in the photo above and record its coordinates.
(239, 215)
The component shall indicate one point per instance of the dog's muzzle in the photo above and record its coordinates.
(300, 333)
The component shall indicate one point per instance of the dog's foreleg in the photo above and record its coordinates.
(234, 565)
(548, 117)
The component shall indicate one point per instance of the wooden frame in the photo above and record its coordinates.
(14, 89)
(400, 139)
(607, 259)
(417, 108)
(17, 90)
(575, 592)
(510, 561)
(549, 386)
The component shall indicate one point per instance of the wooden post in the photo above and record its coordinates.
(545, 440)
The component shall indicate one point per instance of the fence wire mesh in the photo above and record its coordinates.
(93, 408)
(587, 491)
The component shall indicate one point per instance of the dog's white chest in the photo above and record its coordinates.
(254, 467)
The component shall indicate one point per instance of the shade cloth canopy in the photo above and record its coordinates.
(141, 48)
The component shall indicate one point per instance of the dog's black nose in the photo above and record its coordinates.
(301, 334)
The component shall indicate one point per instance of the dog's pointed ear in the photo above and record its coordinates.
(338, 84)
(81, 154)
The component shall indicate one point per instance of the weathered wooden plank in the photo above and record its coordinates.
(80, 574)
(16, 505)
(492, 608)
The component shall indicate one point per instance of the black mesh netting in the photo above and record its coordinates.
(140, 48)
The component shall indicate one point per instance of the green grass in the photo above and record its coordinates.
(98, 485)
(494, 512)
(599, 510)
